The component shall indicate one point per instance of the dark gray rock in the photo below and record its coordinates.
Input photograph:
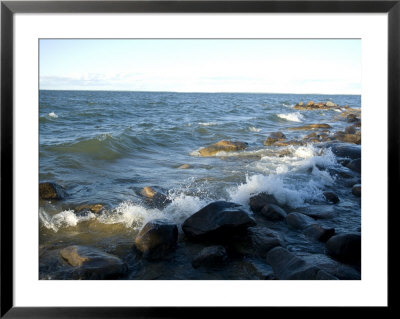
(319, 233)
(331, 197)
(218, 221)
(356, 190)
(51, 191)
(287, 266)
(157, 239)
(346, 150)
(273, 212)
(212, 256)
(257, 202)
(91, 263)
(154, 197)
(355, 165)
(299, 221)
(345, 248)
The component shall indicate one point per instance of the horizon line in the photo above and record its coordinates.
(191, 92)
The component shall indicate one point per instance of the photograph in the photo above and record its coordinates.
(199, 159)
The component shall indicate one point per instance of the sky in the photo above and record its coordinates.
(324, 66)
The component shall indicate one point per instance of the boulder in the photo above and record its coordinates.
(218, 221)
(92, 208)
(356, 190)
(318, 232)
(274, 137)
(330, 104)
(257, 242)
(288, 266)
(222, 146)
(345, 247)
(310, 103)
(51, 191)
(92, 263)
(212, 256)
(154, 197)
(346, 150)
(257, 202)
(352, 118)
(348, 138)
(331, 197)
(157, 239)
(355, 165)
(310, 127)
(350, 130)
(333, 267)
(299, 221)
(273, 212)
(184, 166)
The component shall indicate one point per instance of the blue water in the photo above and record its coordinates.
(104, 147)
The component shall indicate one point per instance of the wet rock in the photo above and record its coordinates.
(154, 197)
(330, 104)
(348, 138)
(273, 212)
(347, 151)
(350, 130)
(257, 202)
(92, 208)
(331, 197)
(318, 232)
(184, 166)
(345, 248)
(355, 165)
(287, 143)
(310, 103)
(212, 256)
(257, 242)
(287, 266)
(310, 127)
(356, 190)
(157, 239)
(256, 269)
(274, 137)
(299, 221)
(51, 191)
(92, 263)
(222, 146)
(352, 118)
(218, 221)
(320, 211)
(333, 267)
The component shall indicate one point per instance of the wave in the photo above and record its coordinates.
(254, 129)
(53, 115)
(132, 216)
(293, 117)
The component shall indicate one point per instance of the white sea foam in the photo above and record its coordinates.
(53, 115)
(129, 214)
(254, 129)
(293, 180)
(293, 117)
(207, 123)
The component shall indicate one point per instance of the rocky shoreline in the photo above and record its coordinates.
(222, 234)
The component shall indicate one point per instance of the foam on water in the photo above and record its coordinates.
(129, 214)
(53, 115)
(293, 180)
(207, 123)
(254, 129)
(293, 117)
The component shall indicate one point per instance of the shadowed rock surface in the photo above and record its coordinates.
(345, 247)
(50, 190)
(222, 146)
(212, 256)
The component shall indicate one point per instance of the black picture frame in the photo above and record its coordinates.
(9, 8)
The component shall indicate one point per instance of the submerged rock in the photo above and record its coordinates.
(348, 138)
(345, 248)
(222, 146)
(356, 190)
(157, 239)
(85, 208)
(288, 266)
(217, 221)
(184, 166)
(309, 127)
(274, 137)
(210, 257)
(331, 197)
(154, 197)
(50, 190)
(92, 263)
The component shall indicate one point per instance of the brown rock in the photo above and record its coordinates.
(310, 127)
(184, 166)
(94, 208)
(49, 190)
(225, 146)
